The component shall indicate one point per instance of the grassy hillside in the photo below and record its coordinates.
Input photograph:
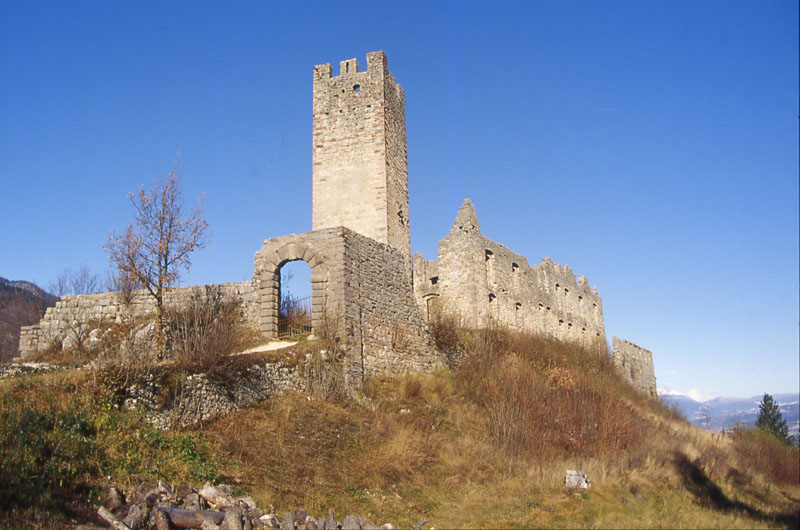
(482, 445)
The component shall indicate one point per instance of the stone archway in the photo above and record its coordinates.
(431, 304)
(270, 261)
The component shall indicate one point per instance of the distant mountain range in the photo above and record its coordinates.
(21, 304)
(724, 412)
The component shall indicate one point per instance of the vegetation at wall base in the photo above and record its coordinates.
(481, 444)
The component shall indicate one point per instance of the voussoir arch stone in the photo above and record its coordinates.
(275, 254)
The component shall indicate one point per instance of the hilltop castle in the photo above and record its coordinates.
(359, 251)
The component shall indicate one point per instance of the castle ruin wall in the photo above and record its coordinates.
(361, 294)
(72, 312)
(483, 281)
(635, 365)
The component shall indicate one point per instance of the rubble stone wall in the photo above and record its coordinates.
(635, 364)
(73, 311)
(361, 295)
(482, 281)
(201, 398)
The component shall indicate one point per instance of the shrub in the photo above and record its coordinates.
(46, 447)
(58, 442)
(205, 330)
(447, 334)
(324, 375)
(760, 451)
(545, 398)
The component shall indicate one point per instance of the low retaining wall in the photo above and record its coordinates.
(199, 398)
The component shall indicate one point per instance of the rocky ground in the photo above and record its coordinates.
(160, 506)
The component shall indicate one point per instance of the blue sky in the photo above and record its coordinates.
(652, 146)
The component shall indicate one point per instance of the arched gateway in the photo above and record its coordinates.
(268, 265)
(360, 293)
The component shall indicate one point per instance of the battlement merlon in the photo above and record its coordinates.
(376, 63)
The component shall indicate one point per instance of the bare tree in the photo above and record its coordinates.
(158, 244)
(81, 281)
(123, 285)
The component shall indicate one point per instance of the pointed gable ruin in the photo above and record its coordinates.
(482, 281)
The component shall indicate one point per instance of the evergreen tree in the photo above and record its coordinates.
(771, 420)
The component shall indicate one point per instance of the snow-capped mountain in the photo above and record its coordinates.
(724, 412)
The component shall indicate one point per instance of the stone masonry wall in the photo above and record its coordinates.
(72, 311)
(360, 167)
(361, 294)
(394, 334)
(482, 280)
(635, 364)
(200, 398)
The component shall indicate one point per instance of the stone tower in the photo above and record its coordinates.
(360, 167)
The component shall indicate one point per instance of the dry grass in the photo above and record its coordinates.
(425, 449)
(548, 399)
(484, 445)
(766, 455)
(487, 446)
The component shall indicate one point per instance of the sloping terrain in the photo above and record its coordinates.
(21, 304)
(481, 445)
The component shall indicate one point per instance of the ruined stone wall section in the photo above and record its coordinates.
(483, 281)
(72, 311)
(200, 398)
(361, 294)
(360, 168)
(333, 315)
(426, 283)
(323, 251)
(394, 333)
(635, 364)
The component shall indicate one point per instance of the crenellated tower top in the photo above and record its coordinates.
(360, 165)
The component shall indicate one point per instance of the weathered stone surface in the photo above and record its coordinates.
(202, 399)
(13, 369)
(115, 499)
(635, 364)
(482, 281)
(166, 507)
(137, 516)
(360, 167)
(366, 301)
(75, 319)
(351, 522)
(576, 480)
(287, 523)
(232, 520)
